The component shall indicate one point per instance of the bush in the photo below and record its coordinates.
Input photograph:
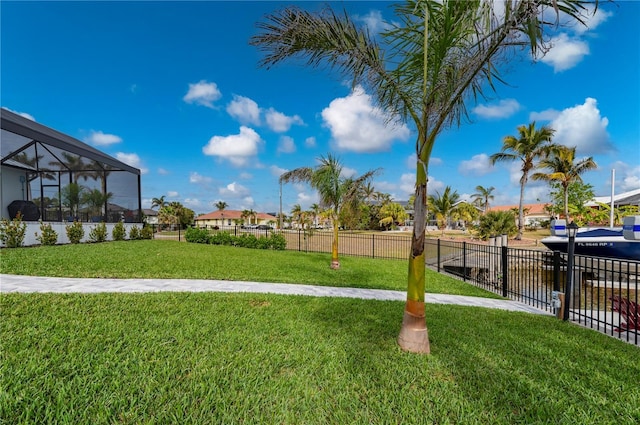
(221, 238)
(278, 241)
(134, 233)
(496, 223)
(75, 232)
(98, 233)
(118, 232)
(196, 235)
(146, 232)
(12, 232)
(48, 236)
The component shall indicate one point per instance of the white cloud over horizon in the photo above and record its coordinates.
(199, 179)
(503, 109)
(356, 125)
(133, 160)
(236, 148)
(98, 138)
(478, 165)
(583, 127)
(202, 93)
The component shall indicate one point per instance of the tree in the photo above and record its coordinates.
(443, 206)
(392, 214)
(530, 145)
(495, 223)
(221, 205)
(438, 54)
(315, 211)
(579, 193)
(72, 195)
(482, 196)
(563, 169)
(465, 212)
(96, 200)
(296, 215)
(158, 202)
(336, 192)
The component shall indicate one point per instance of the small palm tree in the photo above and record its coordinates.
(392, 214)
(335, 191)
(296, 215)
(482, 196)
(315, 211)
(443, 205)
(158, 202)
(221, 205)
(563, 169)
(531, 144)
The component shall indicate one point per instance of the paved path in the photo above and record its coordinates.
(15, 283)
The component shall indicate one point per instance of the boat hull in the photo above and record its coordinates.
(597, 243)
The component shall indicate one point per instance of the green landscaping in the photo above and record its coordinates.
(194, 358)
(179, 260)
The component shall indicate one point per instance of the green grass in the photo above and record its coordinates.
(179, 260)
(200, 358)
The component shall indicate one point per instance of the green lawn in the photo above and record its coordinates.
(213, 358)
(172, 259)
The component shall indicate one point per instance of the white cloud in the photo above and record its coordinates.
(172, 194)
(627, 176)
(435, 161)
(192, 203)
(236, 148)
(310, 142)
(202, 93)
(234, 190)
(244, 110)
(22, 114)
(199, 179)
(98, 138)
(374, 21)
(408, 185)
(412, 161)
(348, 172)
(357, 125)
(385, 186)
(246, 176)
(163, 172)
(592, 20)
(546, 115)
(247, 203)
(279, 122)
(277, 171)
(565, 53)
(583, 127)
(286, 145)
(133, 160)
(503, 109)
(478, 165)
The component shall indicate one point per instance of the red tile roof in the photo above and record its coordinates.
(232, 215)
(530, 209)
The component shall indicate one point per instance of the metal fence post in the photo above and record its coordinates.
(373, 246)
(438, 255)
(505, 271)
(299, 241)
(464, 261)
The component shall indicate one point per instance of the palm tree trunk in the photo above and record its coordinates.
(414, 336)
(566, 203)
(520, 212)
(335, 262)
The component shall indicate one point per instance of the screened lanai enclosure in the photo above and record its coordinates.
(49, 176)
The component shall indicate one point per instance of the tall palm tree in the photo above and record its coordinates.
(158, 202)
(482, 196)
(443, 206)
(439, 53)
(563, 168)
(221, 205)
(335, 191)
(368, 192)
(528, 146)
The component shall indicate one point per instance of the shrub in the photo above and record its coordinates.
(75, 232)
(221, 238)
(48, 236)
(118, 232)
(12, 232)
(146, 232)
(196, 235)
(98, 233)
(247, 241)
(134, 233)
(278, 241)
(496, 223)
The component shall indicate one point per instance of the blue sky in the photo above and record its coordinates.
(174, 89)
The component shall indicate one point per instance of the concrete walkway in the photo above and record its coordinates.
(15, 283)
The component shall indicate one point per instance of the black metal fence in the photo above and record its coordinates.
(605, 293)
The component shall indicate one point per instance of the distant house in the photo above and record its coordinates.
(231, 217)
(533, 213)
(150, 216)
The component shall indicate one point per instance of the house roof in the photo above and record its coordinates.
(232, 215)
(631, 197)
(530, 209)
